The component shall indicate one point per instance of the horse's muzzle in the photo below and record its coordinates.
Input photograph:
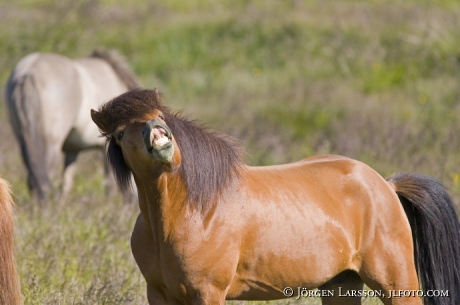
(158, 140)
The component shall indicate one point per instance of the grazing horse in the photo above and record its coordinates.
(10, 289)
(49, 97)
(211, 228)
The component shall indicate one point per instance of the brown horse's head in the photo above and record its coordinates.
(145, 138)
(138, 137)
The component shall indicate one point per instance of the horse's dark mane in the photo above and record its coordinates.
(118, 64)
(210, 161)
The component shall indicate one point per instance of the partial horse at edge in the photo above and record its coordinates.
(10, 288)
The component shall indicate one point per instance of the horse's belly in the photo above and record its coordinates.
(76, 141)
(266, 276)
(303, 253)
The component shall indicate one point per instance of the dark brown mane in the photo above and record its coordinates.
(210, 160)
(118, 64)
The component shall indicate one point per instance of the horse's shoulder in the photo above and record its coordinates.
(318, 160)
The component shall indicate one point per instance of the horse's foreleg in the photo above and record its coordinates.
(204, 298)
(154, 297)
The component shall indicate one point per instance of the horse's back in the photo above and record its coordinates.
(314, 192)
(307, 173)
(49, 70)
(328, 183)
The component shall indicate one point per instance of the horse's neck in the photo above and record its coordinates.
(163, 204)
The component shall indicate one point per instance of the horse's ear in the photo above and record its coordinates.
(100, 121)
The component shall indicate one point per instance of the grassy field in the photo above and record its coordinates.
(373, 80)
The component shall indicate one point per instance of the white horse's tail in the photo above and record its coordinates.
(24, 112)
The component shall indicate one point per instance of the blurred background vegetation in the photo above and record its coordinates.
(375, 80)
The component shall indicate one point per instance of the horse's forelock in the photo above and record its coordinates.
(128, 106)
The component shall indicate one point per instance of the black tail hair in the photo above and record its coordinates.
(436, 234)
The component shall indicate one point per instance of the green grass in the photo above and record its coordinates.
(373, 80)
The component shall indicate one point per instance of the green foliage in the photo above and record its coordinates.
(373, 80)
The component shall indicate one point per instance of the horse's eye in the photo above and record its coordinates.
(161, 117)
(120, 136)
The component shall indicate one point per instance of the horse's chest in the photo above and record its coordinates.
(157, 262)
(182, 267)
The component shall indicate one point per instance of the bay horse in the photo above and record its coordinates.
(211, 228)
(49, 97)
(10, 289)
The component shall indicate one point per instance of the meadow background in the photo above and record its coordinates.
(375, 80)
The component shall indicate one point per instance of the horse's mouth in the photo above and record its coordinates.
(159, 136)
(158, 140)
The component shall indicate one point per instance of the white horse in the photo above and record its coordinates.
(49, 99)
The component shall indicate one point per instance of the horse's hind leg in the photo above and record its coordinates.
(344, 289)
(49, 163)
(390, 269)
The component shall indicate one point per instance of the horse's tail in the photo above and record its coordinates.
(10, 289)
(436, 234)
(24, 109)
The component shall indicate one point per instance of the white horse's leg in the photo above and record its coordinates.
(69, 173)
(52, 159)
